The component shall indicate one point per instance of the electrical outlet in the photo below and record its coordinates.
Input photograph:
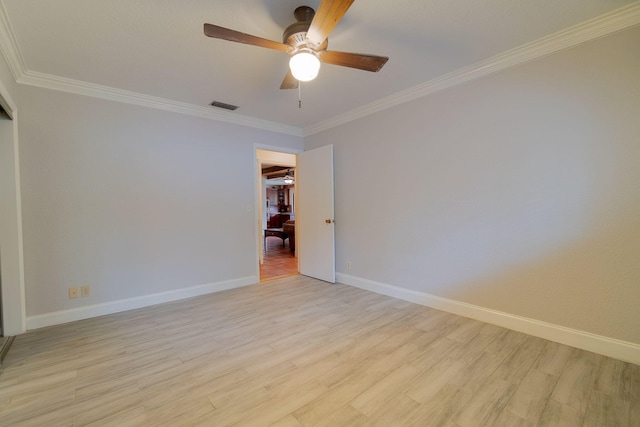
(85, 291)
(73, 293)
(348, 265)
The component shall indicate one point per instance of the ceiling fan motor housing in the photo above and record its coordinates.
(295, 35)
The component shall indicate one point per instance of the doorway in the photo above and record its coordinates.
(276, 171)
(12, 307)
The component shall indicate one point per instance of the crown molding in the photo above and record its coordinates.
(63, 84)
(9, 46)
(619, 19)
(22, 75)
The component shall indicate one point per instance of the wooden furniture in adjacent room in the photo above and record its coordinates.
(289, 229)
(277, 232)
(277, 220)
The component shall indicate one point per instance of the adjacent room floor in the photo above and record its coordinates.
(304, 352)
(279, 260)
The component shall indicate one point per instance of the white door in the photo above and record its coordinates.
(260, 212)
(314, 214)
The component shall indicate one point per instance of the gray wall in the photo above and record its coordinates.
(132, 201)
(518, 192)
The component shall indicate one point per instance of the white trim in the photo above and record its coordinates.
(14, 294)
(9, 46)
(78, 87)
(618, 349)
(16, 154)
(276, 148)
(616, 20)
(64, 316)
(619, 19)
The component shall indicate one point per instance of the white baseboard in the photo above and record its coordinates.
(64, 316)
(618, 349)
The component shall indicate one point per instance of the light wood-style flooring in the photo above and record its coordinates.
(297, 351)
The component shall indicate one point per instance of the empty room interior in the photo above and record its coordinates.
(462, 205)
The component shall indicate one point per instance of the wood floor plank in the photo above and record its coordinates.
(557, 414)
(507, 418)
(516, 366)
(288, 421)
(353, 383)
(384, 390)
(347, 416)
(532, 395)
(106, 405)
(128, 418)
(611, 378)
(180, 412)
(604, 410)
(577, 380)
(233, 410)
(221, 397)
(432, 381)
(486, 404)
(475, 374)
(50, 407)
(553, 358)
(634, 411)
(394, 411)
(300, 352)
(282, 405)
(441, 409)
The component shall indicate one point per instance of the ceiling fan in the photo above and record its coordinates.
(306, 41)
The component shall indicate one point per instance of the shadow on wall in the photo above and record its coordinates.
(578, 286)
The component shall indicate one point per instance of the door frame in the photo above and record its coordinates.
(14, 317)
(257, 183)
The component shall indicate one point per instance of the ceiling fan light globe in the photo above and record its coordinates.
(304, 66)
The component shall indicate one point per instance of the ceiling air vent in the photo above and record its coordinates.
(223, 105)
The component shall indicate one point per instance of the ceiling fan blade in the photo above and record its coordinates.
(289, 82)
(329, 13)
(217, 32)
(354, 60)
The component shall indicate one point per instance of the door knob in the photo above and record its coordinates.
(328, 221)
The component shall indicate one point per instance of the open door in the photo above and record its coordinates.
(315, 227)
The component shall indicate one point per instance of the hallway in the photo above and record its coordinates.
(278, 261)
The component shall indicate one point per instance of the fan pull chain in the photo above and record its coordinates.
(299, 94)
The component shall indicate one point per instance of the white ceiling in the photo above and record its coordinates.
(156, 48)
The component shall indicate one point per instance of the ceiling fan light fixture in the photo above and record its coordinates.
(304, 66)
(288, 179)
